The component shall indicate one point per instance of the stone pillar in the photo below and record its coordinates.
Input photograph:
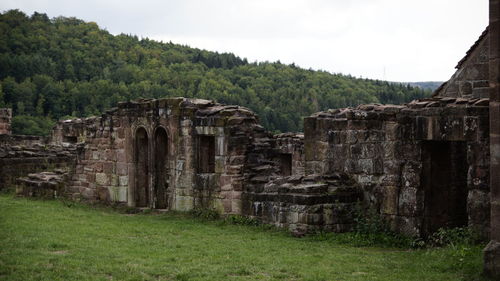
(5, 119)
(492, 250)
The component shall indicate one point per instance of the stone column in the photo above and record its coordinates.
(492, 250)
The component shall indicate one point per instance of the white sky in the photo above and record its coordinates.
(396, 40)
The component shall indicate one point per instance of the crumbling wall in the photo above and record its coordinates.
(382, 147)
(471, 78)
(201, 147)
(305, 203)
(21, 155)
(291, 155)
(297, 202)
(5, 120)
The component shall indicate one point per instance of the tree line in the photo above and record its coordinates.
(64, 67)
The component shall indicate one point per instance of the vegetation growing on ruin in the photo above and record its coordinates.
(51, 240)
(64, 67)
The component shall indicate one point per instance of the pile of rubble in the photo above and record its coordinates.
(44, 184)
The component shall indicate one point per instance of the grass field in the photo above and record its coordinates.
(51, 240)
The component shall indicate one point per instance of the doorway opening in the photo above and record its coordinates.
(161, 169)
(444, 182)
(206, 154)
(141, 190)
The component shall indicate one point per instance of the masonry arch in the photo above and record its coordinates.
(161, 165)
(142, 171)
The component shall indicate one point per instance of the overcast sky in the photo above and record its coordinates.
(396, 40)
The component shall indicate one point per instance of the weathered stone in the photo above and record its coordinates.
(101, 179)
(492, 258)
(181, 154)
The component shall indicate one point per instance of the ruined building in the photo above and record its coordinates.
(422, 166)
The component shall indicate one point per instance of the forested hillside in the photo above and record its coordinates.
(60, 67)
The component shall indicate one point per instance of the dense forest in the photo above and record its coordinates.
(65, 67)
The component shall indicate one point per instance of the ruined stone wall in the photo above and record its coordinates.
(471, 78)
(21, 155)
(291, 155)
(304, 203)
(492, 250)
(173, 153)
(388, 151)
(277, 192)
(182, 154)
(5, 119)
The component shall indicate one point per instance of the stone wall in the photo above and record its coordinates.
(5, 119)
(176, 154)
(21, 155)
(406, 159)
(492, 250)
(471, 78)
(291, 155)
(305, 203)
(181, 154)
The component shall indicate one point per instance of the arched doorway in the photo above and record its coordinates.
(161, 169)
(141, 191)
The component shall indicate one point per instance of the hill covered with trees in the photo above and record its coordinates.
(61, 67)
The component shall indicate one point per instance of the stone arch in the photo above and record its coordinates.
(142, 171)
(161, 165)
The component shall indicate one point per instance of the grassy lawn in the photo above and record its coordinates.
(49, 240)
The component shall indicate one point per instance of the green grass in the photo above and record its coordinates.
(50, 240)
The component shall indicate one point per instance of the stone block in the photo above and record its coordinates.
(114, 180)
(121, 169)
(390, 196)
(121, 155)
(236, 206)
(220, 146)
(220, 164)
(492, 259)
(409, 202)
(184, 203)
(392, 131)
(351, 136)
(101, 179)
(118, 193)
(88, 193)
(89, 177)
(108, 167)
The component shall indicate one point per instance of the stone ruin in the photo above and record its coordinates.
(421, 166)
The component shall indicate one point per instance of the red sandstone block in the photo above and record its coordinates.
(110, 155)
(121, 169)
(90, 177)
(120, 143)
(121, 155)
(108, 167)
(98, 167)
(227, 205)
(121, 133)
(236, 195)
